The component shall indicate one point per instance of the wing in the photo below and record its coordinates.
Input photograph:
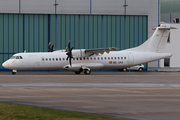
(99, 50)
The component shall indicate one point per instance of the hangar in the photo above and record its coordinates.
(170, 13)
(29, 25)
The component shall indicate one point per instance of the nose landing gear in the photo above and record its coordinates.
(14, 72)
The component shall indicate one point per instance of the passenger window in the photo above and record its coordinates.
(80, 58)
(76, 58)
(84, 58)
(115, 58)
(105, 58)
(108, 58)
(59, 59)
(53, 59)
(49, 59)
(124, 57)
(121, 57)
(101, 58)
(56, 59)
(118, 57)
(111, 58)
(87, 58)
(91, 58)
(94, 58)
(98, 58)
(46, 59)
(63, 59)
(42, 59)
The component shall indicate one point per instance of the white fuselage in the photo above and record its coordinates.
(57, 60)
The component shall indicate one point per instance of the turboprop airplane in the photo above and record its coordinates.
(86, 60)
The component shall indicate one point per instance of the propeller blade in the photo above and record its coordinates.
(70, 62)
(52, 48)
(69, 45)
(49, 47)
(69, 53)
(72, 48)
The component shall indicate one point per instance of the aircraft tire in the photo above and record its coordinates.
(13, 73)
(140, 69)
(124, 69)
(87, 72)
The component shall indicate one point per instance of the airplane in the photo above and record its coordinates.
(86, 60)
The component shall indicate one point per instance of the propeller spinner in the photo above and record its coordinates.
(69, 53)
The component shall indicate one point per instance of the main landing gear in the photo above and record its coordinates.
(86, 71)
(14, 72)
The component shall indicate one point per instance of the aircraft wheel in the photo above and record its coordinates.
(140, 69)
(87, 72)
(124, 69)
(14, 72)
(77, 72)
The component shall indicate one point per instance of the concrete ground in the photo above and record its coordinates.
(131, 95)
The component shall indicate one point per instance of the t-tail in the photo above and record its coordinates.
(157, 42)
(152, 49)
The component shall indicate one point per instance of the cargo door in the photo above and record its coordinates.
(131, 59)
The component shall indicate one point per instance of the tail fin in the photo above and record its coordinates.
(157, 41)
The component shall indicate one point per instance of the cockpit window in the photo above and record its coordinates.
(16, 57)
(13, 57)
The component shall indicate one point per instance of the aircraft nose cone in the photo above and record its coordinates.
(5, 65)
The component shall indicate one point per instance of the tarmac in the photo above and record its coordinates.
(130, 95)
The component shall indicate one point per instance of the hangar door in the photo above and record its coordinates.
(32, 32)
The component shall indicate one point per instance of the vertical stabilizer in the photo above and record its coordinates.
(157, 41)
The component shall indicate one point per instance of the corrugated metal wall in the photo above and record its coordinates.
(19, 32)
(22, 32)
(95, 31)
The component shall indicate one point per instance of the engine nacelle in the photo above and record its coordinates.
(74, 67)
(80, 53)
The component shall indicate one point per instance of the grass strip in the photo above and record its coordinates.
(10, 111)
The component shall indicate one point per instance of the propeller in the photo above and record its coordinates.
(50, 49)
(69, 53)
